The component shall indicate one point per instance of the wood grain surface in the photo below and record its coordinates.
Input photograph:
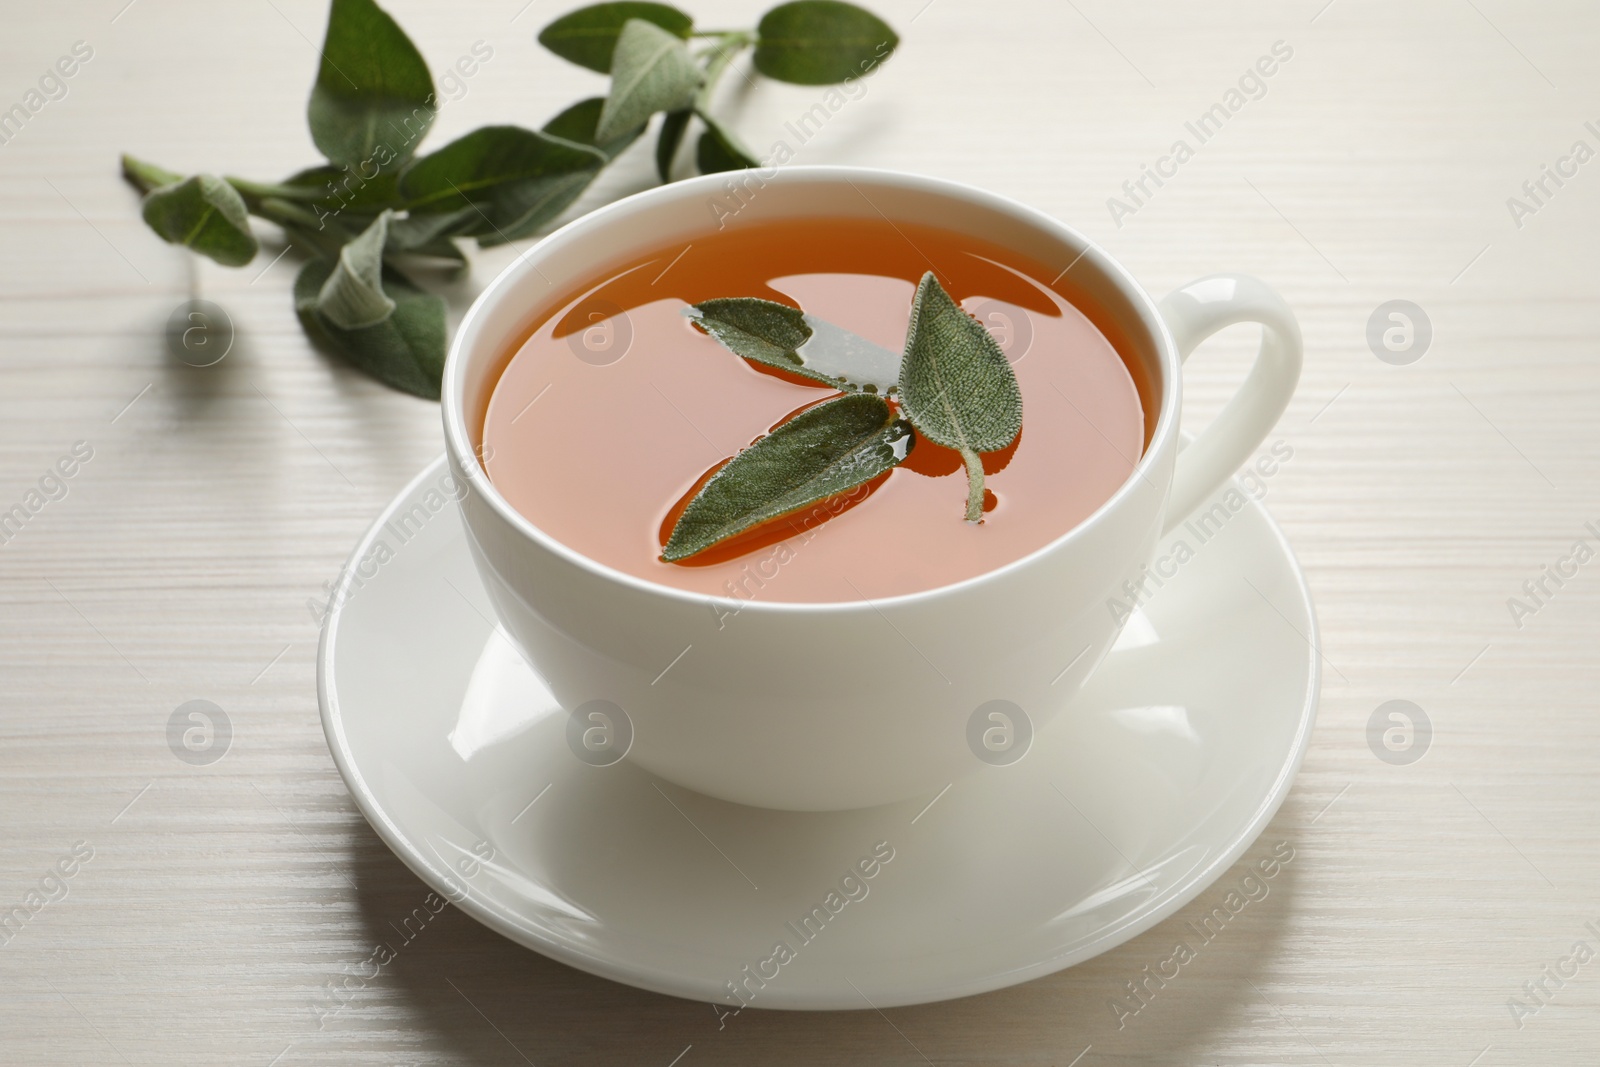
(1375, 165)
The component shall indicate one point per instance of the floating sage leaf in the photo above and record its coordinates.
(512, 179)
(373, 98)
(203, 213)
(668, 140)
(720, 150)
(405, 350)
(956, 385)
(588, 36)
(821, 42)
(760, 330)
(352, 297)
(829, 449)
(578, 123)
(651, 71)
(788, 339)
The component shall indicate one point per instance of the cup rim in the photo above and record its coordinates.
(458, 440)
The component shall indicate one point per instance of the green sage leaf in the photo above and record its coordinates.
(821, 42)
(668, 140)
(321, 236)
(438, 248)
(956, 385)
(651, 71)
(373, 99)
(588, 36)
(203, 213)
(352, 297)
(828, 449)
(720, 150)
(405, 351)
(760, 330)
(342, 191)
(513, 180)
(784, 337)
(430, 234)
(578, 123)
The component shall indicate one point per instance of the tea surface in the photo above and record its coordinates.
(615, 408)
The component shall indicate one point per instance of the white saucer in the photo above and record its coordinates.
(1131, 802)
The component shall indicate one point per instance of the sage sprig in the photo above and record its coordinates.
(952, 384)
(379, 208)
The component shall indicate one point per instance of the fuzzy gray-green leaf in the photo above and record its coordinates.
(430, 236)
(955, 383)
(205, 214)
(373, 99)
(579, 122)
(651, 71)
(405, 350)
(352, 298)
(761, 330)
(588, 36)
(820, 42)
(829, 449)
(335, 190)
(720, 149)
(512, 179)
(669, 138)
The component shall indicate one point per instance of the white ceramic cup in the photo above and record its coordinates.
(843, 705)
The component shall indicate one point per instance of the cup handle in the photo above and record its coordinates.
(1195, 312)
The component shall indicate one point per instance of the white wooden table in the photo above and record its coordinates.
(221, 900)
